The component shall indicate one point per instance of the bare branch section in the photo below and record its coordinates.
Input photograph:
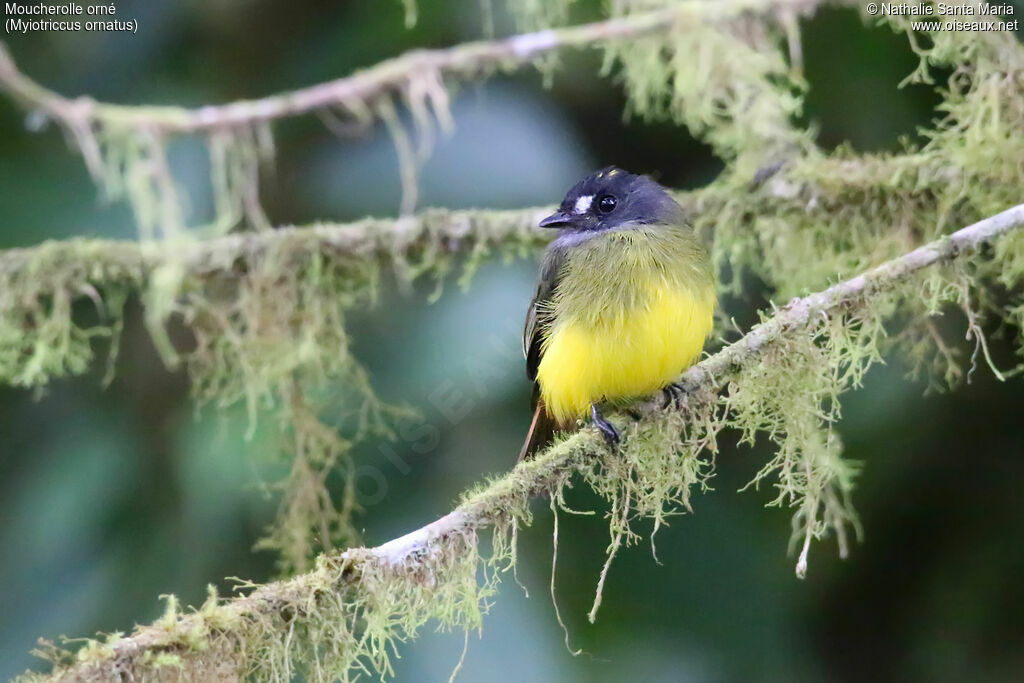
(411, 555)
(463, 61)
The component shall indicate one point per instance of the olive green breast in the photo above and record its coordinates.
(609, 274)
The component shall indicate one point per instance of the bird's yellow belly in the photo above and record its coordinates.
(625, 353)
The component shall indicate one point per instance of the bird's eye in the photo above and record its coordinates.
(607, 203)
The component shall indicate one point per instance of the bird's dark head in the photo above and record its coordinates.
(612, 198)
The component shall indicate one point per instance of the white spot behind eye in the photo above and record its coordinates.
(583, 203)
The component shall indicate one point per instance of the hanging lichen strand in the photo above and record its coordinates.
(265, 311)
(713, 66)
(265, 321)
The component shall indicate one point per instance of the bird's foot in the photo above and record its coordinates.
(608, 430)
(675, 395)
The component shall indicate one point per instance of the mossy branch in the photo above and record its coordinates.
(713, 372)
(395, 585)
(800, 310)
(384, 238)
(464, 61)
(747, 103)
(801, 188)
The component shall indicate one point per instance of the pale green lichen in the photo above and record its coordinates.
(261, 334)
(726, 80)
(51, 311)
(345, 618)
(130, 161)
(652, 476)
(272, 334)
(264, 325)
(824, 217)
(790, 395)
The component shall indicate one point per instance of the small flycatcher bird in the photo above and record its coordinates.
(625, 302)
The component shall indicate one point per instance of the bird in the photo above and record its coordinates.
(624, 304)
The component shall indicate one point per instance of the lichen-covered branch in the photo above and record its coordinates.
(440, 229)
(782, 229)
(809, 187)
(230, 287)
(260, 321)
(343, 617)
(801, 310)
(464, 61)
(747, 101)
(713, 372)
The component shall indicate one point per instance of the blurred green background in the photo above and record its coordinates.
(112, 497)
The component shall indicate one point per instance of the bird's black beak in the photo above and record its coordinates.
(559, 219)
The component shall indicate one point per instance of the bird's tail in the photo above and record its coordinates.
(542, 429)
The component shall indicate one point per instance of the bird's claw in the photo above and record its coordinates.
(675, 395)
(608, 430)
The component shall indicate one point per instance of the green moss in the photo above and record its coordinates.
(790, 396)
(726, 80)
(346, 617)
(265, 322)
(129, 160)
(40, 335)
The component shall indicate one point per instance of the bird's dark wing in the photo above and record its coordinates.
(542, 428)
(537, 316)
